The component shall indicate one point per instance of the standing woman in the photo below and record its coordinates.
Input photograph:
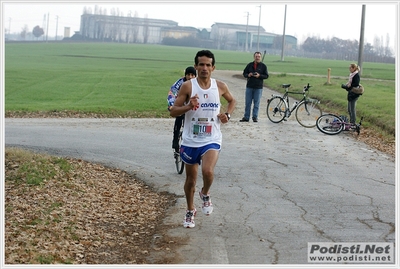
(354, 81)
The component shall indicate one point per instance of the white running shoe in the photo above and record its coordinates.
(188, 222)
(206, 206)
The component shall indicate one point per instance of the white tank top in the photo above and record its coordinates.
(202, 127)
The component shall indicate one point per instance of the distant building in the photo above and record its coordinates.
(233, 37)
(67, 31)
(179, 32)
(131, 29)
(225, 36)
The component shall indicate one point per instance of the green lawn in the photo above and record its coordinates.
(133, 80)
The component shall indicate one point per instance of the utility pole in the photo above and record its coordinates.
(247, 29)
(56, 26)
(258, 35)
(9, 27)
(47, 30)
(361, 45)
(283, 36)
(44, 25)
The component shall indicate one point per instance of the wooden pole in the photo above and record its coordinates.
(329, 76)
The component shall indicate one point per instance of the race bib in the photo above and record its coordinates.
(202, 128)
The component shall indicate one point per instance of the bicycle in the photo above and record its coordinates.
(331, 124)
(306, 110)
(179, 164)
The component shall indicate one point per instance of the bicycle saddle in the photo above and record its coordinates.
(286, 85)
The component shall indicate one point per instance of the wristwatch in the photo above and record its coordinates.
(228, 115)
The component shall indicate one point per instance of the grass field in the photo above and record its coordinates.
(133, 80)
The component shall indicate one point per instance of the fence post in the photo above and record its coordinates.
(329, 77)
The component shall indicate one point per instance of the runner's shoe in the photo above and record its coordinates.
(189, 218)
(206, 206)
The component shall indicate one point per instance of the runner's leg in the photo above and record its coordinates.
(190, 184)
(208, 162)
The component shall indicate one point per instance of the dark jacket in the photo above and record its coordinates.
(252, 82)
(355, 82)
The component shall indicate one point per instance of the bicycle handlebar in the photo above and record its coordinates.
(306, 87)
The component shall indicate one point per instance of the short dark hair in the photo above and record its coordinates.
(257, 52)
(202, 53)
(190, 70)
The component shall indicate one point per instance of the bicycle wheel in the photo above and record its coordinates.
(179, 164)
(276, 109)
(307, 113)
(329, 124)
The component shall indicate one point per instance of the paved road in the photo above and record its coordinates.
(277, 186)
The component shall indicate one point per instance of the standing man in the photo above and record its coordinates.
(255, 72)
(190, 73)
(199, 100)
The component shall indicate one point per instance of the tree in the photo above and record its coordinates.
(337, 45)
(24, 31)
(37, 31)
(388, 51)
(146, 30)
(135, 29)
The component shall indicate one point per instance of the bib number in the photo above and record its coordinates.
(202, 130)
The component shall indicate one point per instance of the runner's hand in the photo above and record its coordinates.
(193, 103)
(223, 117)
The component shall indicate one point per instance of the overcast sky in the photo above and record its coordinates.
(326, 19)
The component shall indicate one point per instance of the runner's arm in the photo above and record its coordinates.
(184, 102)
(227, 95)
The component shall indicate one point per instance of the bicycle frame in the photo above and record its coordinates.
(347, 126)
(286, 99)
(306, 110)
(180, 166)
(332, 124)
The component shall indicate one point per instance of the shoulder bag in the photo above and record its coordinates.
(358, 90)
